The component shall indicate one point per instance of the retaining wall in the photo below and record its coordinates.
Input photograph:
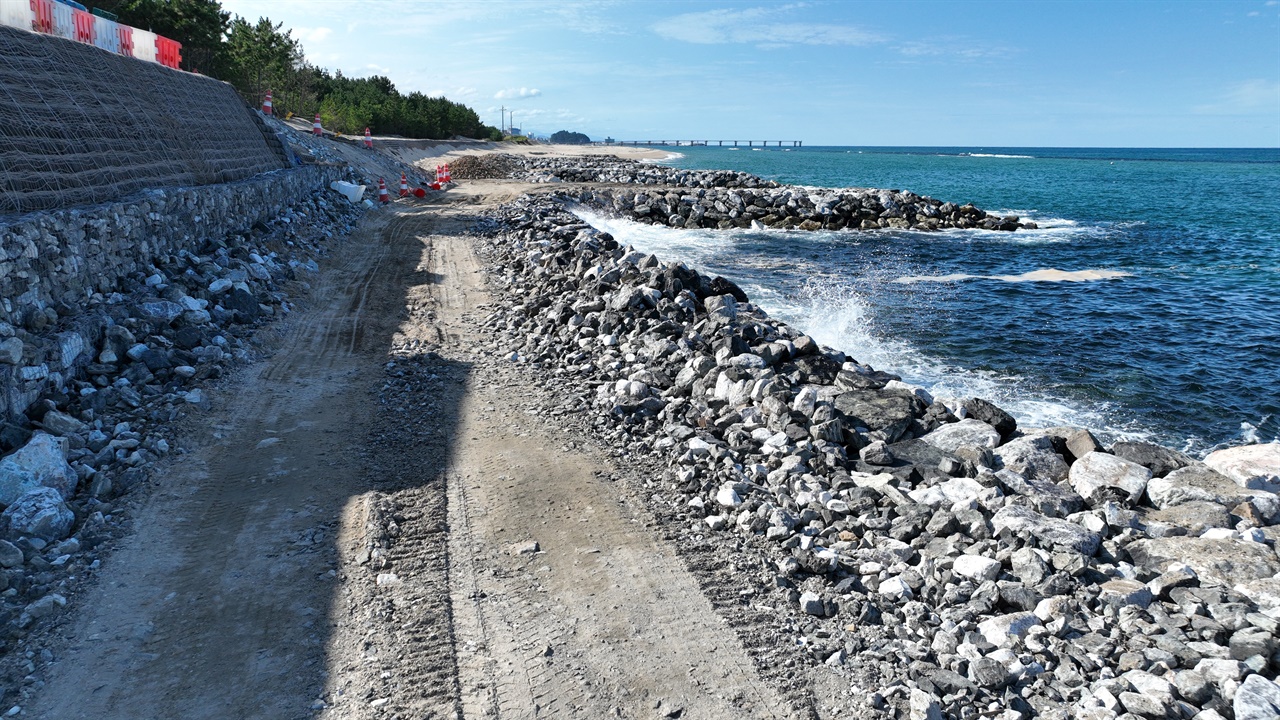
(57, 261)
(82, 125)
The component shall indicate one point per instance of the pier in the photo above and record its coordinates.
(707, 143)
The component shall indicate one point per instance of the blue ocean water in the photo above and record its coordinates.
(1163, 324)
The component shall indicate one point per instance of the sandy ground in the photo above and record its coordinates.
(349, 533)
(428, 158)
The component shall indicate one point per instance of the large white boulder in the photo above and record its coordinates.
(39, 513)
(42, 462)
(1032, 457)
(1097, 472)
(1199, 483)
(1251, 466)
(976, 568)
(952, 436)
(1216, 561)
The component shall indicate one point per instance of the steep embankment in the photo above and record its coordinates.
(81, 125)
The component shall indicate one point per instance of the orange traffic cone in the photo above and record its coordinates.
(383, 197)
(315, 127)
(368, 141)
(266, 104)
(404, 185)
(448, 176)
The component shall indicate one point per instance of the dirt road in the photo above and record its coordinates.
(364, 526)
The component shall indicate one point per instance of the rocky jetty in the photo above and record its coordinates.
(722, 199)
(940, 557)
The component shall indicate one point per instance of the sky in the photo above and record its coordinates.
(1073, 73)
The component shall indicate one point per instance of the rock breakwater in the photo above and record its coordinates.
(722, 199)
(929, 550)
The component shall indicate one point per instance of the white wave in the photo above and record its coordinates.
(1044, 275)
(998, 155)
(697, 247)
(1048, 230)
(671, 157)
(836, 315)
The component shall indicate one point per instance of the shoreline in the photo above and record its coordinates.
(873, 500)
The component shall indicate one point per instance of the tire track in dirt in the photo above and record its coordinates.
(343, 539)
(603, 621)
(217, 605)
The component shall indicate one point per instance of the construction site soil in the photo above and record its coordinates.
(381, 519)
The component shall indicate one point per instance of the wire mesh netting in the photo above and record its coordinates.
(82, 125)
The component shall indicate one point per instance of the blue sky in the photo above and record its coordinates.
(925, 72)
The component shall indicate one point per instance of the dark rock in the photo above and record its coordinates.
(919, 453)
(13, 435)
(155, 359)
(817, 369)
(243, 303)
(188, 338)
(1251, 641)
(721, 286)
(1159, 460)
(889, 412)
(988, 673)
(988, 413)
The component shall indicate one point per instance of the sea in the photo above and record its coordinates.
(1145, 307)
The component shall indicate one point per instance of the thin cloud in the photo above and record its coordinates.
(307, 34)
(517, 93)
(1244, 98)
(758, 26)
(954, 49)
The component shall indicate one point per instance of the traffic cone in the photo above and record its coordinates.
(315, 127)
(383, 197)
(404, 185)
(368, 141)
(448, 176)
(439, 175)
(266, 104)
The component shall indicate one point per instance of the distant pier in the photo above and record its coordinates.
(706, 143)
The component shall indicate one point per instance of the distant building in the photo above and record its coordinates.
(514, 131)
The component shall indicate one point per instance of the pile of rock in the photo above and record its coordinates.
(722, 199)
(789, 207)
(614, 170)
(929, 549)
(494, 166)
(91, 438)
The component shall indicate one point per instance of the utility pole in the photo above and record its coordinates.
(511, 116)
(502, 119)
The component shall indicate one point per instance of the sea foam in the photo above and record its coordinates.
(838, 314)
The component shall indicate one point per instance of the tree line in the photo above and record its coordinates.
(261, 56)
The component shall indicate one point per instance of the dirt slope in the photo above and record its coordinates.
(349, 535)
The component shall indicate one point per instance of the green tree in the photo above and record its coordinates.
(198, 24)
(261, 57)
